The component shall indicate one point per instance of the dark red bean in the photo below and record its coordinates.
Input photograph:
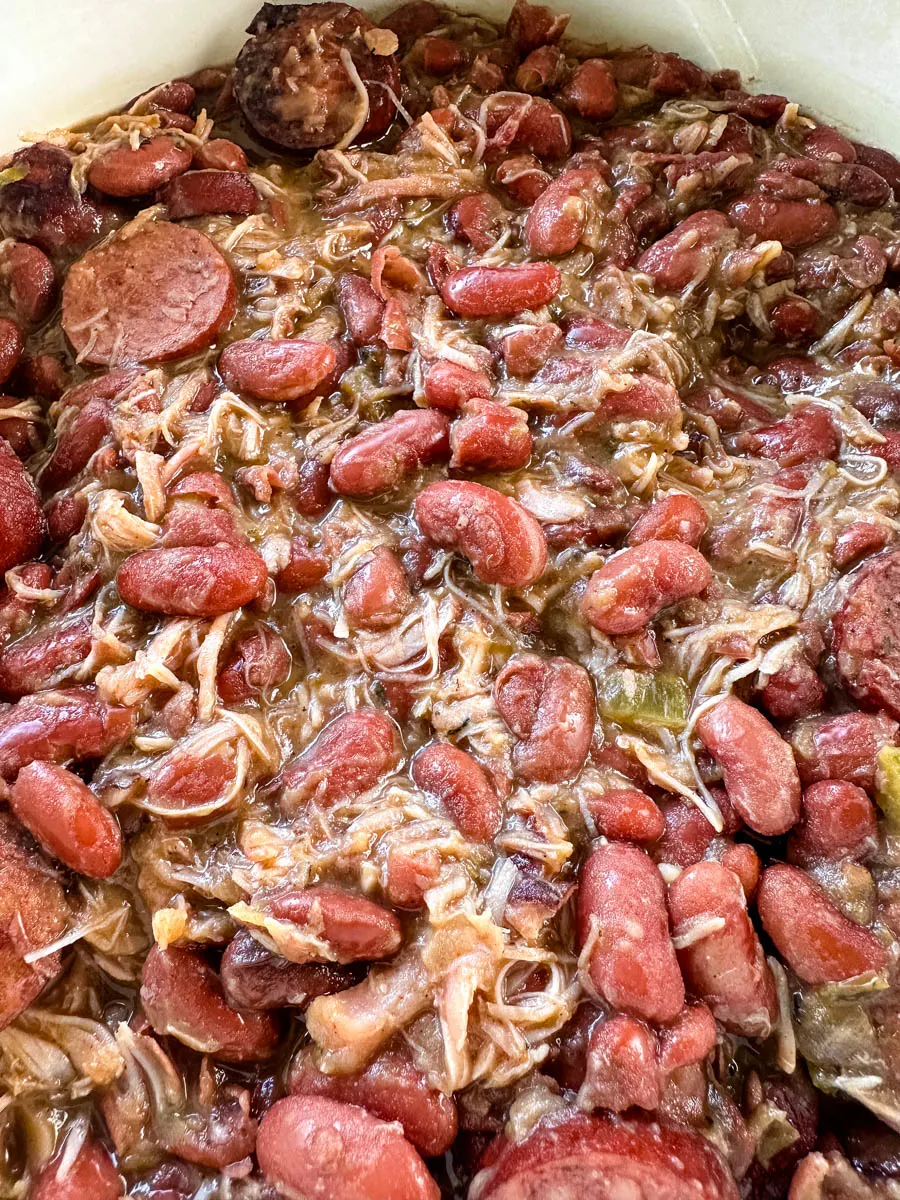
(258, 660)
(525, 351)
(540, 69)
(54, 726)
(392, 1089)
(522, 177)
(688, 253)
(11, 346)
(203, 193)
(720, 954)
(794, 690)
(818, 943)
(858, 540)
(182, 998)
(806, 436)
(192, 581)
(351, 754)
(548, 703)
(829, 143)
(631, 588)
(32, 282)
(622, 1070)
(477, 219)
(326, 1150)
(839, 820)
(305, 568)
(758, 766)
(361, 307)
(42, 658)
(22, 523)
(673, 518)
(842, 747)
(689, 1039)
(276, 370)
(625, 815)
(353, 928)
(380, 458)
(490, 437)
(560, 215)
(500, 291)
(793, 320)
(377, 593)
(622, 899)
(794, 223)
(255, 978)
(33, 914)
(219, 154)
(449, 386)
(592, 91)
(501, 540)
(462, 786)
(67, 819)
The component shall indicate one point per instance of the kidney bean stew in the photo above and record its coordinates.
(450, 645)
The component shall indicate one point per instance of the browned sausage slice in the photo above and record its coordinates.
(154, 292)
(300, 78)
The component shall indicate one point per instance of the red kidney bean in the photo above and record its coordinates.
(559, 216)
(219, 1135)
(77, 441)
(305, 568)
(688, 252)
(11, 346)
(377, 593)
(463, 788)
(390, 1088)
(858, 540)
(540, 69)
(356, 929)
(352, 754)
(503, 542)
(490, 437)
(278, 369)
(757, 765)
(123, 171)
(687, 835)
(477, 219)
(202, 193)
(584, 330)
(67, 723)
(568, 1157)
(33, 914)
(67, 819)
(381, 457)
(525, 351)
(794, 223)
(839, 820)
(842, 747)
(259, 659)
(205, 485)
(185, 782)
(325, 1150)
(886, 165)
(794, 690)
(868, 655)
(43, 375)
(625, 814)
(739, 858)
(633, 963)
(817, 941)
(412, 19)
(500, 291)
(441, 56)
(219, 154)
(688, 1040)
(632, 587)
(177, 96)
(32, 283)
(719, 952)
(89, 1175)
(592, 91)
(22, 523)
(805, 436)
(532, 25)
(522, 177)
(672, 518)
(253, 977)
(192, 581)
(188, 524)
(827, 142)
(32, 662)
(361, 307)
(182, 998)
(449, 386)
(793, 320)
(549, 705)
(622, 1071)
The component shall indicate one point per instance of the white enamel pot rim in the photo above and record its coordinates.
(63, 60)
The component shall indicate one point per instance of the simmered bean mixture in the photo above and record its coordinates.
(450, 645)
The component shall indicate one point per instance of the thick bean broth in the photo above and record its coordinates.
(448, 503)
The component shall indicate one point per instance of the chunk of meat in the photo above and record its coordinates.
(155, 292)
(317, 75)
